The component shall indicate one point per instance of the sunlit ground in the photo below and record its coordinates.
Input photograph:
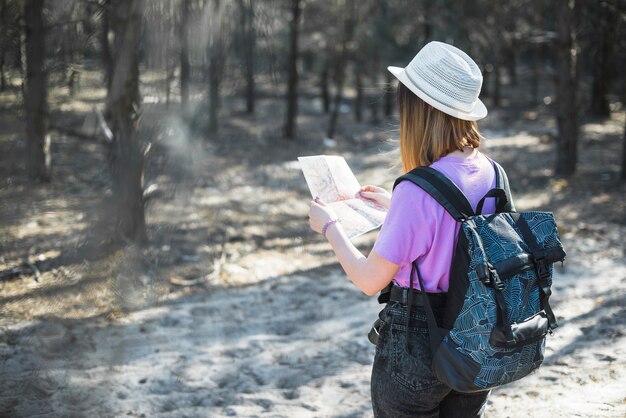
(232, 277)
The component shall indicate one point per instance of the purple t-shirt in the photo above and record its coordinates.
(417, 227)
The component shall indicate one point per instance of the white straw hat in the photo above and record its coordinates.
(446, 78)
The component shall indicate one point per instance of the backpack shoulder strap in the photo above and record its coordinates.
(502, 182)
(442, 189)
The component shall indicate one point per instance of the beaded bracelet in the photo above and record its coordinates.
(328, 224)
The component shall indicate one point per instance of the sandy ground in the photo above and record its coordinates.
(295, 346)
(235, 308)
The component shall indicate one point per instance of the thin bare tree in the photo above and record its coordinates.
(4, 40)
(624, 153)
(123, 111)
(105, 47)
(217, 57)
(36, 107)
(247, 47)
(183, 33)
(340, 64)
(607, 16)
(566, 87)
(292, 83)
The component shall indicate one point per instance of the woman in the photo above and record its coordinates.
(438, 105)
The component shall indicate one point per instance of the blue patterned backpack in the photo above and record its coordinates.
(497, 313)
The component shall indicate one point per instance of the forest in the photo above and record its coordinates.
(155, 252)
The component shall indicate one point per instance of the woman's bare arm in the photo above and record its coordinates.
(369, 274)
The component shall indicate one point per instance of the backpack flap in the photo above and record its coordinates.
(544, 252)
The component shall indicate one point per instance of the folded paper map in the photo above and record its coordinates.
(330, 178)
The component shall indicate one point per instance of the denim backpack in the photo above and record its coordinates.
(497, 312)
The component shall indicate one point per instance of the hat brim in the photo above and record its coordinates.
(478, 112)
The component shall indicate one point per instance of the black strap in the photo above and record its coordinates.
(409, 308)
(539, 258)
(502, 313)
(401, 295)
(385, 294)
(501, 201)
(502, 182)
(436, 334)
(442, 189)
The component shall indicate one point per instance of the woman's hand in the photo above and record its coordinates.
(319, 214)
(375, 194)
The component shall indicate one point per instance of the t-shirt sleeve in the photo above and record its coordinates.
(409, 227)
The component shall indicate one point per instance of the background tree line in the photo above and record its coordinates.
(578, 46)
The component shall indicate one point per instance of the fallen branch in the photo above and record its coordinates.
(183, 282)
(35, 270)
(16, 272)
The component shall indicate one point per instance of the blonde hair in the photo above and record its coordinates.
(427, 134)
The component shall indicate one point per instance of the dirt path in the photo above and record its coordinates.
(235, 308)
(294, 346)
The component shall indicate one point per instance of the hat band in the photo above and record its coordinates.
(457, 105)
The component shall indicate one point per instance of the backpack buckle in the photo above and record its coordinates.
(482, 272)
(489, 276)
(495, 278)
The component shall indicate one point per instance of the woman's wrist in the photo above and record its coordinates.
(329, 224)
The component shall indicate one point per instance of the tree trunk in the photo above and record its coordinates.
(334, 114)
(126, 159)
(324, 85)
(4, 34)
(496, 81)
(497, 53)
(389, 94)
(89, 11)
(512, 63)
(216, 65)
(249, 50)
(624, 139)
(624, 153)
(565, 74)
(428, 27)
(348, 29)
(184, 57)
(603, 58)
(105, 48)
(21, 53)
(36, 109)
(72, 81)
(375, 104)
(536, 63)
(512, 47)
(170, 76)
(3, 80)
(358, 104)
(536, 58)
(292, 84)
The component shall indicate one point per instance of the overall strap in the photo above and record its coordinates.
(442, 189)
